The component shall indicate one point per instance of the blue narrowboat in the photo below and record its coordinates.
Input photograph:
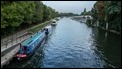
(29, 46)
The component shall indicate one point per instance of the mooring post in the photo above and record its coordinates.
(106, 26)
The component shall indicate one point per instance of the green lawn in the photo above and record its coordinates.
(38, 27)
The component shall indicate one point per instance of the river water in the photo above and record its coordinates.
(73, 44)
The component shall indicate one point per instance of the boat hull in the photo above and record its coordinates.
(29, 47)
(32, 52)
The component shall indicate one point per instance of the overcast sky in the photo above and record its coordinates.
(70, 6)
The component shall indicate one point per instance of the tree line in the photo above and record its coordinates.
(107, 14)
(86, 12)
(20, 14)
(67, 14)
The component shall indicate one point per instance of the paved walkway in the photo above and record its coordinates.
(6, 58)
(14, 42)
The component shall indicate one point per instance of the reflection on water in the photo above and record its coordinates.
(75, 45)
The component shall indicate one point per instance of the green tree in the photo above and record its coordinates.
(86, 12)
(107, 12)
(113, 14)
(17, 14)
(38, 14)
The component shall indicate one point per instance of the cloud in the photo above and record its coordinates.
(70, 6)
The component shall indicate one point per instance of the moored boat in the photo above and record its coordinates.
(53, 24)
(29, 46)
(53, 21)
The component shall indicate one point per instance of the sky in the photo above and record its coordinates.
(70, 6)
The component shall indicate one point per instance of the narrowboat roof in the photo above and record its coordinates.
(31, 39)
(34, 37)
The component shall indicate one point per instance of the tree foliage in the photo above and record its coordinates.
(107, 12)
(38, 14)
(86, 12)
(113, 14)
(67, 14)
(15, 14)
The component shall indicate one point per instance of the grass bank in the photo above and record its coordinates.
(38, 27)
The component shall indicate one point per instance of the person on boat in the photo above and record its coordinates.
(46, 31)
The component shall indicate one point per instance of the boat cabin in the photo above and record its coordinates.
(29, 46)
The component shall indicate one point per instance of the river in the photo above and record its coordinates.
(73, 44)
